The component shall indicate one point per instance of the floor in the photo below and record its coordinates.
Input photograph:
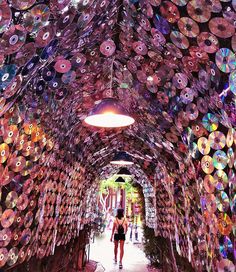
(102, 251)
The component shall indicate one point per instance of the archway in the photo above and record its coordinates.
(171, 64)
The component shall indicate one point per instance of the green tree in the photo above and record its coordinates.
(110, 183)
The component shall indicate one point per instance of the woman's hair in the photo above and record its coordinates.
(120, 213)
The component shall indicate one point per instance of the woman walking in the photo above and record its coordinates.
(119, 231)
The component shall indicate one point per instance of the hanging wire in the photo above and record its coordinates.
(112, 65)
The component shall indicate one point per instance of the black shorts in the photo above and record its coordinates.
(118, 237)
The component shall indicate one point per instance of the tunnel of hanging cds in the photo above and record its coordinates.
(174, 70)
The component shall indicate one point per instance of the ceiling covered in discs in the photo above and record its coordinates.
(172, 66)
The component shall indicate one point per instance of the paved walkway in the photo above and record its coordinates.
(102, 251)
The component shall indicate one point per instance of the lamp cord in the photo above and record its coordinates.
(113, 59)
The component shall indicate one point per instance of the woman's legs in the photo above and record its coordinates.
(122, 242)
(115, 248)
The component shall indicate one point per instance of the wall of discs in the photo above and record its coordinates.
(40, 191)
(174, 70)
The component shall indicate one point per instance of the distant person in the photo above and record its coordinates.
(119, 231)
(131, 231)
(136, 232)
(110, 220)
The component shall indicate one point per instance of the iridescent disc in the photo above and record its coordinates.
(209, 184)
(211, 203)
(231, 157)
(7, 218)
(11, 200)
(233, 204)
(25, 236)
(187, 95)
(22, 5)
(230, 137)
(12, 256)
(4, 152)
(207, 164)
(210, 122)
(36, 18)
(180, 3)
(214, 5)
(220, 159)
(198, 11)
(225, 265)
(221, 27)
(203, 145)
(198, 129)
(232, 82)
(5, 16)
(192, 111)
(224, 224)
(22, 202)
(226, 246)
(3, 256)
(217, 140)
(161, 24)
(180, 80)
(188, 27)
(225, 60)
(193, 148)
(179, 39)
(222, 201)
(7, 73)
(208, 42)
(221, 179)
(5, 237)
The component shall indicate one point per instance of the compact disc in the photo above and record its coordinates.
(232, 82)
(210, 122)
(7, 218)
(198, 11)
(230, 137)
(3, 256)
(220, 159)
(209, 184)
(217, 140)
(11, 200)
(221, 180)
(4, 152)
(233, 204)
(203, 145)
(222, 201)
(210, 203)
(224, 224)
(188, 27)
(17, 164)
(226, 246)
(207, 164)
(12, 256)
(231, 157)
(225, 265)
(225, 60)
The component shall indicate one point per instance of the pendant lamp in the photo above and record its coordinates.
(109, 113)
(122, 158)
(120, 179)
(124, 171)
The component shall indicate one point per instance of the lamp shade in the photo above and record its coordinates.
(124, 171)
(122, 158)
(119, 179)
(109, 113)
